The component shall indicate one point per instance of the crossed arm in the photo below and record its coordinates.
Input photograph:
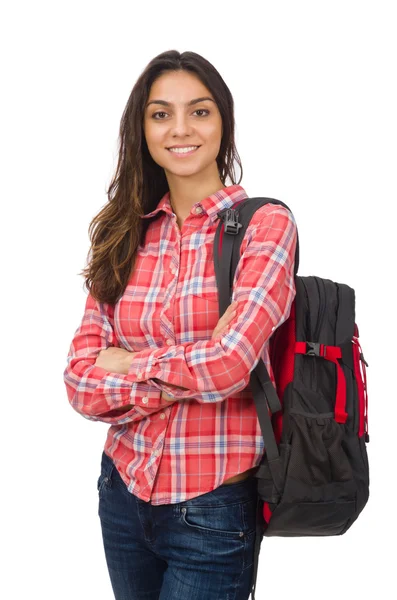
(110, 384)
(119, 360)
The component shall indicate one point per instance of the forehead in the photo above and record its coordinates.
(178, 87)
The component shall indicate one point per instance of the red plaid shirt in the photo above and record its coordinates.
(168, 451)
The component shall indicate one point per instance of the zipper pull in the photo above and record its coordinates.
(363, 359)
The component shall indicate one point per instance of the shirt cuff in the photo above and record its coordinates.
(146, 364)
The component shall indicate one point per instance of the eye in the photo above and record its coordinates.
(161, 112)
(203, 110)
(158, 113)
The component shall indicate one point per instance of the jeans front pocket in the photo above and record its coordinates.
(105, 478)
(233, 521)
(102, 483)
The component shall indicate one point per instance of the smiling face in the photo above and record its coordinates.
(179, 120)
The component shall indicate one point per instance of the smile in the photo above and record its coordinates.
(180, 152)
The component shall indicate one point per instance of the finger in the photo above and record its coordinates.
(220, 329)
(230, 315)
(232, 307)
(219, 333)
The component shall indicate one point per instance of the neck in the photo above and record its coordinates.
(185, 192)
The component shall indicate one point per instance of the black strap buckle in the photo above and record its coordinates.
(312, 349)
(231, 222)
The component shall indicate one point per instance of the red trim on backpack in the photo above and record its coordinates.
(332, 353)
(360, 388)
(360, 374)
(366, 394)
(267, 513)
(282, 360)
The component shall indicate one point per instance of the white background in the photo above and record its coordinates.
(314, 85)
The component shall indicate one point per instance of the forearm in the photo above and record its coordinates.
(110, 397)
(226, 374)
(96, 375)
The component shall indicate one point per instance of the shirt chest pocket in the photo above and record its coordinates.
(205, 305)
(207, 296)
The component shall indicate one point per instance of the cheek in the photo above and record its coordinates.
(152, 135)
(213, 134)
(155, 144)
(212, 129)
(213, 143)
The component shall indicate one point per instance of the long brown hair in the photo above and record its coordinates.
(139, 183)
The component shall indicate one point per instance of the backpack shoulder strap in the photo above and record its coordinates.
(233, 224)
(228, 238)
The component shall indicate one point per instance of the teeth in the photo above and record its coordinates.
(183, 150)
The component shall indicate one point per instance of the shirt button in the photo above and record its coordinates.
(169, 342)
(145, 400)
(139, 375)
(198, 210)
(156, 453)
(162, 416)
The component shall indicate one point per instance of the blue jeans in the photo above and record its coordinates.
(199, 549)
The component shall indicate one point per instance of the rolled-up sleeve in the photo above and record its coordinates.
(92, 391)
(264, 287)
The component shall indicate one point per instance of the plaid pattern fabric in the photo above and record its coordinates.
(168, 451)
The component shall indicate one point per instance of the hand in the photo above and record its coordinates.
(115, 360)
(165, 396)
(219, 330)
(224, 321)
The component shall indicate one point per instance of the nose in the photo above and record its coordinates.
(180, 125)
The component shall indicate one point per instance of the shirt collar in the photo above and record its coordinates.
(223, 198)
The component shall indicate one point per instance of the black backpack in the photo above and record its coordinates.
(313, 479)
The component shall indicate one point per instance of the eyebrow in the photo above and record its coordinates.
(194, 101)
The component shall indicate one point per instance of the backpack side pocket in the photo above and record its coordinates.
(320, 492)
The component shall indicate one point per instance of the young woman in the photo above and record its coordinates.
(177, 492)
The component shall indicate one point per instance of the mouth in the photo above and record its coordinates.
(180, 153)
